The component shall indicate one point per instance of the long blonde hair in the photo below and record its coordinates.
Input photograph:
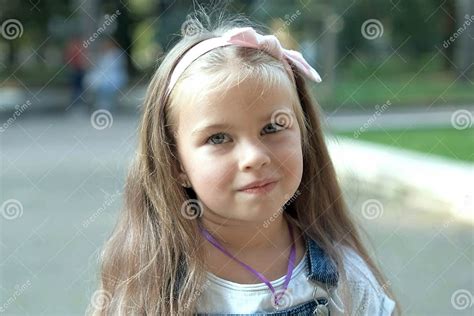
(151, 265)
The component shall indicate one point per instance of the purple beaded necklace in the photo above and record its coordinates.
(291, 263)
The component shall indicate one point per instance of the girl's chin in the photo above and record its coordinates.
(260, 217)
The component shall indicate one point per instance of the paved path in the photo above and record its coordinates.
(396, 118)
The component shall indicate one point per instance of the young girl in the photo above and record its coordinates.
(232, 205)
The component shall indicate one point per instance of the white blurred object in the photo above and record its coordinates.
(11, 96)
(436, 183)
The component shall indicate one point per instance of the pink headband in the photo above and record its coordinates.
(244, 37)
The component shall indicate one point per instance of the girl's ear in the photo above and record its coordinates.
(181, 167)
(184, 180)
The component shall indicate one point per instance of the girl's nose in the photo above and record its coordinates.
(253, 154)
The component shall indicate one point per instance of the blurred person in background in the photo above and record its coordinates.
(76, 60)
(107, 76)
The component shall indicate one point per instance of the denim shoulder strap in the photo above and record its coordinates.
(321, 267)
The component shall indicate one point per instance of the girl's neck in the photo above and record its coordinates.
(249, 237)
(264, 249)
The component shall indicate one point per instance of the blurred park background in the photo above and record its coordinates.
(398, 110)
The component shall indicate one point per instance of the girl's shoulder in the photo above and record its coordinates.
(357, 268)
(369, 297)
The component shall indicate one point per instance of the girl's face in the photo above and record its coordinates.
(257, 138)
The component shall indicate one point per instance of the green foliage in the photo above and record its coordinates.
(445, 142)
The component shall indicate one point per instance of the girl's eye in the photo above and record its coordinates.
(213, 137)
(215, 140)
(276, 126)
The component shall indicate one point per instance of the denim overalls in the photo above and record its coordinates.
(321, 270)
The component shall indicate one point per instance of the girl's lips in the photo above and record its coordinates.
(259, 183)
(261, 190)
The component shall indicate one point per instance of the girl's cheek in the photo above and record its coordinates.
(285, 144)
(212, 170)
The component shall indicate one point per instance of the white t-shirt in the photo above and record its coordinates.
(222, 296)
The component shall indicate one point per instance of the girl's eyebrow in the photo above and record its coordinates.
(203, 128)
(199, 130)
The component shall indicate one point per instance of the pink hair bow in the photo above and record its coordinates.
(247, 37)
(244, 37)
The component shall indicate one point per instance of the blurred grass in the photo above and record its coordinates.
(364, 82)
(35, 76)
(420, 91)
(446, 142)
